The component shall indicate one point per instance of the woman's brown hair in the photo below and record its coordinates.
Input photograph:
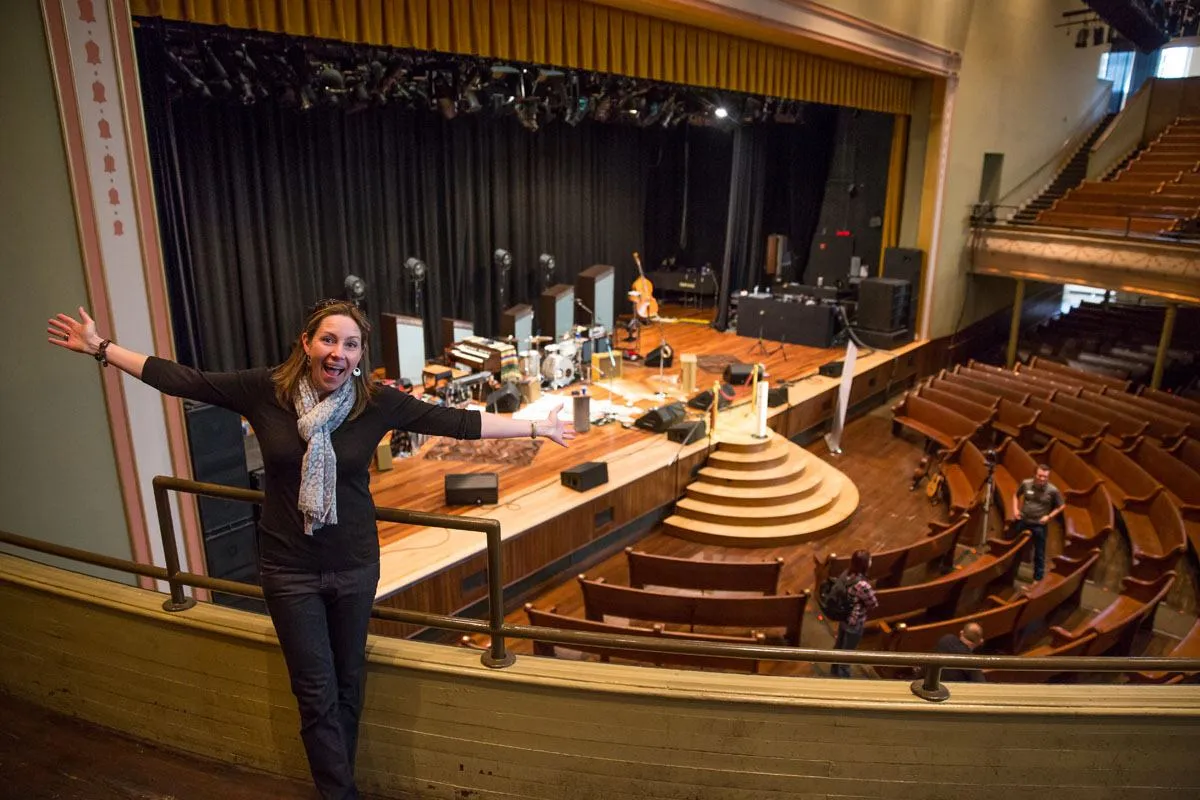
(287, 375)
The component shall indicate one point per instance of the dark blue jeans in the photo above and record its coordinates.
(847, 639)
(321, 621)
(1039, 545)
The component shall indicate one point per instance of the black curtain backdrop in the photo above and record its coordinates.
(745, 240)
(688, 196)
(798, 160)
(265, 210)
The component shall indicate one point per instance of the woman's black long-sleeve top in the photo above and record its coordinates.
(353, 541)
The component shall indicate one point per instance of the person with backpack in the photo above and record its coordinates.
(850, 597)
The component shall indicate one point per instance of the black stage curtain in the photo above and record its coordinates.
(798, 164)
(264, 211)
(688, 197)
(744, 242)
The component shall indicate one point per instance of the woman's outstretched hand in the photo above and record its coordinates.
(66, 331)
(557, 430)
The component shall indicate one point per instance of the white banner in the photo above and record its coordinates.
(833, 439)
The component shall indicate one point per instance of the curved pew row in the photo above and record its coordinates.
(888, 567)
(1088, 517)
(1151, 519)
(551, 619)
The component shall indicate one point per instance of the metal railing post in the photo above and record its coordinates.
(496, 656)
(931, 687)
(166, 527)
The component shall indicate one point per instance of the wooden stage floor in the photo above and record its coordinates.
(531, 493)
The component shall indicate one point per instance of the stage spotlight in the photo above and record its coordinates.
(546, 265)
(354, 289)
(415, 269)
(502, 259)
(720, 113)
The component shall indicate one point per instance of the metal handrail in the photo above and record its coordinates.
(497, 656)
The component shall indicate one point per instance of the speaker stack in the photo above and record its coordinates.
(218, 451)
(703, 401)
(884, 312)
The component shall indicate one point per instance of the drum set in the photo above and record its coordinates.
(563, 361)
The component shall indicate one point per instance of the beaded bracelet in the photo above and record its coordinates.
(101, 352)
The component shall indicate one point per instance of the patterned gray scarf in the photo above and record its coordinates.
(318, 474)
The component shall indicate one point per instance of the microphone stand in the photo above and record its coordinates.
(592, 316)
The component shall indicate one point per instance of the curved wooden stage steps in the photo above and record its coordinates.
(762, 493)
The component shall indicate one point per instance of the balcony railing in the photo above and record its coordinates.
(497, 655)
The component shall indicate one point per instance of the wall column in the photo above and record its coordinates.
(1164, 343)
(1014, 330)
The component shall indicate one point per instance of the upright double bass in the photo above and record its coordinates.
(642, 293)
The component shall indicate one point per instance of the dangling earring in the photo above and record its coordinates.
(356, 372)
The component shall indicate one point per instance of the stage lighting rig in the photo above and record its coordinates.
(502, 260)
(546, 267)
(354, 289)
(416, 271)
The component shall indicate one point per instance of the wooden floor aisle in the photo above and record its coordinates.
(48, 756)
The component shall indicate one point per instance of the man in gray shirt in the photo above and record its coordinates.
(1036, 502)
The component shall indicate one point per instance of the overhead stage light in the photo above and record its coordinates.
(354, 289)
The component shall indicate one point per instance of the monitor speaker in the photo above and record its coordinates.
(661, 418)
(472, 489)
(777, 396)
(738, 373)
(585, 476)
(504, 400)
(687, 432)
(662, 356)
(883, 303)
(703, 401)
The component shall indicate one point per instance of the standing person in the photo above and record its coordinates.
(964, 643)
(862, 597)
(1036, 502)
(318, 420)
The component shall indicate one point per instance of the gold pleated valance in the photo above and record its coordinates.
(569, 33)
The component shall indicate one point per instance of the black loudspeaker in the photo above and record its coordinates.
(687, 432)
(472, 489)
(903, 263)
(831, 370)
(883, 304)
(738, 374)
(777, 396)
(661, 418)
(504, 400)
(585, 476)
(662, 356)
(703, 401)
(218, 453)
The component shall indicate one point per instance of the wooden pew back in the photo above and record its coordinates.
(1124, 478)
(551, 619)
(646, 569)
(997, 622)
(1079, 374)
(602, 599)
(1178, 478)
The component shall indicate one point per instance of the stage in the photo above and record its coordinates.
(545, 525)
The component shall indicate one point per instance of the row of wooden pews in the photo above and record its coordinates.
(1156, 193)
(738, 597)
